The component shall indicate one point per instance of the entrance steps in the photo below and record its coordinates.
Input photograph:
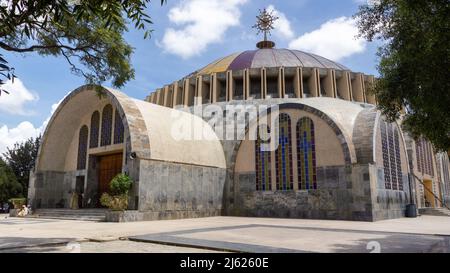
(435, 211)
(96, 215)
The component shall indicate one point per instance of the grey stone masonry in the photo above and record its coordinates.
(170, 189)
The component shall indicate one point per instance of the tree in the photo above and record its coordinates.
(414, 64)
(9, 186)
(83, 32)
(21, 159)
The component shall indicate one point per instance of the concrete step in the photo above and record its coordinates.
(68, 214)
(435, 211)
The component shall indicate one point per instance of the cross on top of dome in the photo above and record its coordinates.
(265, 23)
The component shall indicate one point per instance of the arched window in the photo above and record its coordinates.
(392, 158)
(398, 160)
(106, 125)
(118, 128)
(390, 147)
(424, 155)
(283, 154)
(385, 151)
(419, 156)
(95, 125)
(82, 147)
(263, 161)
(306, 155)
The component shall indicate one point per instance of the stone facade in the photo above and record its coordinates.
(168, 189)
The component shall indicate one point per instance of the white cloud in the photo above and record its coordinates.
(15, 102)
(199, 24)
(23, 131)
(367, 2)
(282, 25)
(335, 39)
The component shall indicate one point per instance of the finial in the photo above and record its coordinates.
(264, 24)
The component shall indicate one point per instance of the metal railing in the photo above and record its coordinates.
(430, 191)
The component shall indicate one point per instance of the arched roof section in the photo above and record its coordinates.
(147, 130)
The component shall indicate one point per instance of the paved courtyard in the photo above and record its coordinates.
(231, 234)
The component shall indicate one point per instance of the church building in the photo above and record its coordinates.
(335, 156)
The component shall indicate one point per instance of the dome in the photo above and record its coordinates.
(269, 57)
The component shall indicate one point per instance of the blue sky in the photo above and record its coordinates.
(187, 36)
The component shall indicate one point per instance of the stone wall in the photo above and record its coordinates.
(336, 197)
(388, 204)
(50, 189)
(447, 200)
(170, 190)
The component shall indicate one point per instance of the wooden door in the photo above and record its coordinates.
(109, 167)
(429, 197)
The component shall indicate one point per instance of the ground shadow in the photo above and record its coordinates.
(26, 244)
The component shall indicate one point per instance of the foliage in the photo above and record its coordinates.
(83, 32)
(414, 63)
(114, 202)
(120, 184)
(21, 159)
(118, 199)
(6, 72)
(9, 187)
(18, 202)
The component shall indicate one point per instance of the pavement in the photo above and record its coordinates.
(119, 246)
(235, 234)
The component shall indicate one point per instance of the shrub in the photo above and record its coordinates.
(120, 184)
(118, 199)
(115, 202)
(18, 202)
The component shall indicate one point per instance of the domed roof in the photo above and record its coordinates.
(269, 57)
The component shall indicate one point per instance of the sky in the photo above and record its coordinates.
(187, 35)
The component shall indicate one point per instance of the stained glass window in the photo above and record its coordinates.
(445, 170)
(263, 162)
(398, 160)
(118, 128)
(424, 155)
(385, 151)
(430, 159)
(82, 147)
(391, 152)
(283, 154)
(419, 156)
(106, 125)
(426, 159)
(95, 124)
(392, 165)
(306, 155)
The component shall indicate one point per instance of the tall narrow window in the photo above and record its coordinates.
(385, 151)
(424, 155)
(95, 124)
(398, 160)
(419, 156)
(106, 125)
(118, 128)
(82, 147)
(283, 154)
(430, 159)
(392, 157)
(446, 178)
(306, 155)
(392, 165)
(263, 161)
